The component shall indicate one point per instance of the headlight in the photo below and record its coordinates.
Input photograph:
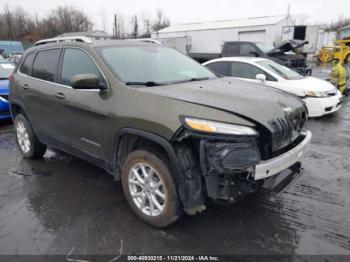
(315, 94)
(214, 127)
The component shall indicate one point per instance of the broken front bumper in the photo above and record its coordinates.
(278, 164)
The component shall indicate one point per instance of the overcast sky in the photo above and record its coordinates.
(184, 11)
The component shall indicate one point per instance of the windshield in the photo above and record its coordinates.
(280, 70)
(6, 70)
(152, 65)
(265, 47)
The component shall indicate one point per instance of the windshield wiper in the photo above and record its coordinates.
(148, 83)
(192, 80)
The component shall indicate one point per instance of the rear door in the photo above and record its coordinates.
(37, 77)
(80, 116)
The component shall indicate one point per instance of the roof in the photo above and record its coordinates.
(254, 21)
(95, 33)
(237, 59)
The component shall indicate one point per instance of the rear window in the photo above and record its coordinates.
(6, 70)
(45, 65)
(26, 67)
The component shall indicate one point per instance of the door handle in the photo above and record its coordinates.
(25, 86)
(60, 96)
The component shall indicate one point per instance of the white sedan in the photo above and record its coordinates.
(321, 97)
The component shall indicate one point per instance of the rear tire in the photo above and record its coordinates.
(149, 188)
(27, 142)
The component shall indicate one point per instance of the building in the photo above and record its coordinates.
(208, 37)
(313, 34)
(344, 32)
(96, 35)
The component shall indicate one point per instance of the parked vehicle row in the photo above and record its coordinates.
(6, 70)
(14, 59)
(174, 133)
(286, 53)
(320, 97)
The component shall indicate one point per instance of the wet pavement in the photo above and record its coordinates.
(61, 204)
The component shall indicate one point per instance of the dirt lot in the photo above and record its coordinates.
(53, 205)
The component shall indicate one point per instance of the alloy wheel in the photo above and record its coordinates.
(22, 137)
(147, 189)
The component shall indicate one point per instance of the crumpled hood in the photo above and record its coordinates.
(251, 101)
(288, 45)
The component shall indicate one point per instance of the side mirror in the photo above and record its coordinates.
(261, 78)
(86, 81)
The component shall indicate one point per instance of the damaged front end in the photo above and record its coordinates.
(215, 167)
(223, 168)
(227, 167)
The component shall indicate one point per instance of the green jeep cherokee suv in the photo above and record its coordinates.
(175, 134)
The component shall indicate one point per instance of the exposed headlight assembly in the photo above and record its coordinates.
(214, 127)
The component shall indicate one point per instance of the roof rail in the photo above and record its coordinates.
(146, 40)
(82, 39)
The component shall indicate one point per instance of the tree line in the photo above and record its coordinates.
(140, 26)
(18, 24)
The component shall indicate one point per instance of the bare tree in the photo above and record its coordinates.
(146, 27)
(66, 19)
(160, 22)
(119, 26)
(14, 24)
(335, 25)
(135, 27)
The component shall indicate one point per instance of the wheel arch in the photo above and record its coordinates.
(129, 139)
(17, 108)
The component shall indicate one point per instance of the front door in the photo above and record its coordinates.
(80, 117)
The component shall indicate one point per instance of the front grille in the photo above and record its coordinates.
(6, 97)
(286, 130)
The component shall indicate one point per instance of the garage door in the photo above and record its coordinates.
(252, 36)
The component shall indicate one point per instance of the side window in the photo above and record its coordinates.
(45, 65)
(75, 62)
(247, 49)
(243, 70)
(26, 67)
(232, 49)
(220, 68)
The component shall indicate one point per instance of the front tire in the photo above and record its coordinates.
(27, 142)
(149, 188)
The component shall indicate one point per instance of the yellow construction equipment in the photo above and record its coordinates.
(341, 52)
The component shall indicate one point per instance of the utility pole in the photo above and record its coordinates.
(115, 26)
(289, 18)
